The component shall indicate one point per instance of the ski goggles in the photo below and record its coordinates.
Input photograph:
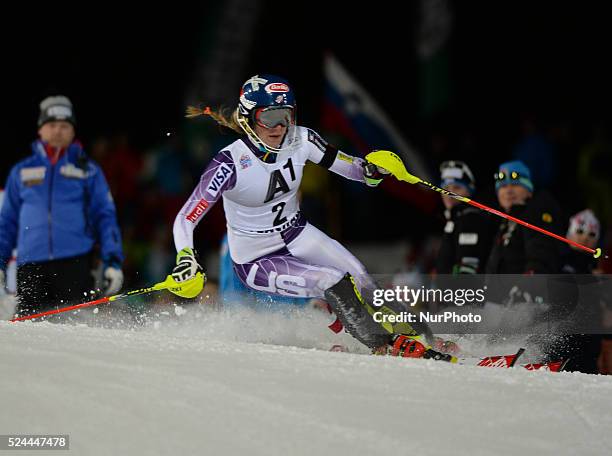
(512, 177)
(456, 172)
(500, 176)
(272, 117)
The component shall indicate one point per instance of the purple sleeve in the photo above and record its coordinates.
(219, 176)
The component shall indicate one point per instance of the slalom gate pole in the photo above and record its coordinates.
(394, 164)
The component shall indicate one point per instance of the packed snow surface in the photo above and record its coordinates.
(219, 383)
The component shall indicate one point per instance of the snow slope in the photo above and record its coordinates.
(225, 384)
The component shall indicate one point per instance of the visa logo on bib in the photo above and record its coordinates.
(221, 175)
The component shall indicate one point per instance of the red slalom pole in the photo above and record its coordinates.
(595, 252)
(394, 164)
(158, 286)
(63, 309)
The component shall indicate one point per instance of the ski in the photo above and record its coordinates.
(508, 361)
(415, 347)
(554, 366)
(498, 361)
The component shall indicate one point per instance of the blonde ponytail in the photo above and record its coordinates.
(223, 116)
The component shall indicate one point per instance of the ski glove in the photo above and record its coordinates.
(113, 277)
(373, 175)
(187, 265)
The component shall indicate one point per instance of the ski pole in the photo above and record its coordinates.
(158, 286)
(392, 163)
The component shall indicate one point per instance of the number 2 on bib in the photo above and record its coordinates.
(279, 219)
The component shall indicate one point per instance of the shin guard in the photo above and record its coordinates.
(356, 314)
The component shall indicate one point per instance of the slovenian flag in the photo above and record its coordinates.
(352, 112)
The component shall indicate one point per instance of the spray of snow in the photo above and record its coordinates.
(208, 382)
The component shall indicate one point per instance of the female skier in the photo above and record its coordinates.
(273, 248)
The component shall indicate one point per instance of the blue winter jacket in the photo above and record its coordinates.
(57, 211)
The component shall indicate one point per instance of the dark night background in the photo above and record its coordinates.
(129, 71)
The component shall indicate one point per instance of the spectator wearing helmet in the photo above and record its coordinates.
(583, 313)
(57, 207)
(468, 233)
(517, 249)
(584, 228)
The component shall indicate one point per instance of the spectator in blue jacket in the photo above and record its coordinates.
(57, 208)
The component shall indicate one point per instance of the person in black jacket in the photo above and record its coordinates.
(468, 233)
(518, 249)
(581, 347)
